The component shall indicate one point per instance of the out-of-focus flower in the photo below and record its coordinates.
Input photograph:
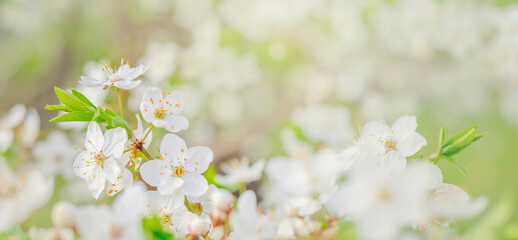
(221, 203)
(55, 154)
(292, 227)
(324, 123)
(179, 168)
(51, 234)
(64, 215)
(198, 226)
(306, 181)
(98, 162)
(170, 209)
(162, 111)
(293, 146)
(240, 171)
(121, 221)
(11, 120)
(162, 56)
(394, 143)
(381, 200)
(122, 77)
(447, 202)
(30, 129)
(247, 223)
(21, 194)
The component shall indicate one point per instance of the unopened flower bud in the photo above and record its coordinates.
(198, 226)
(218, 216)
(222, 199)
(63, 215)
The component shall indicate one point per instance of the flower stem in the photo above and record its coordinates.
(146, 154)
(148, 131)
(226, 229)
(120, 101)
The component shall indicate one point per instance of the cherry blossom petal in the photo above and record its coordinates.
(199, 159)
(409, 144)
(111, 170)
(91, 82)
(172, 146)
(115, 141)
(154, 171)
(169, 185)
(153, 96)
(96, 182)
(176, 123)
(405, 125)
(82, 167)
(194, 185)
(123, 180)
(94, 138)
(148, 112)
(127, 84)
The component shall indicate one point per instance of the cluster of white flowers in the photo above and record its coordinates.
(345, 61)
(376, 182)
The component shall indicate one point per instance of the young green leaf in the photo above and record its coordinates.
(459, 165)
(111, 113)
(82, 97)
(458, 142)
(78, 116)
(70, 100)
(442, 132)
(119, 122)
(58, 108)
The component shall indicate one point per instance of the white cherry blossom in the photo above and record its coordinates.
(123, 220)
(55, 154)
(396, 142)
(122, 77)
(98, 162)
(162, 109)
(447, 202)
(179, 167)
(240, 171)
(247, 223)
(170, 209)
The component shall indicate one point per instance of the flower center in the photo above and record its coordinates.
(178, 171)
(390, 145)
(384, 195)
(165, 219)
(99, 159)
(160, 113)
(115, 79)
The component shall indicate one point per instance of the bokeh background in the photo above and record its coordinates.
(259, 73)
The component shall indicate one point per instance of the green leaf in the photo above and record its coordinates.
(459, 165)
(154, 231)
(78, 116)
(111, 113)
(70, 100)
(442, 132)
(458, 142)
(58, 108)
(82, 97)
(116, 122)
